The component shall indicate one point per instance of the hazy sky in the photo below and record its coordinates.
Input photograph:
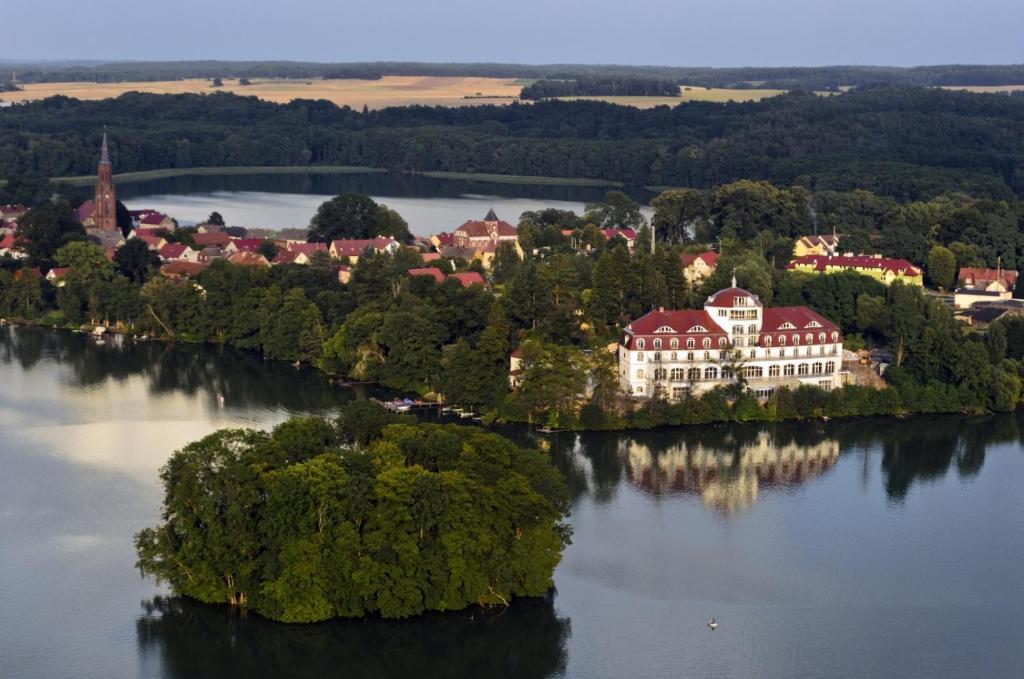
(677, 32)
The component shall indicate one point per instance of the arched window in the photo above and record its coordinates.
(821, 338)
(690, 344)
(835, 336)
(657, 344)
(782, 340)
(674, 343)
(640, 344)
(796, 339)
(802, 370)
(830, 367)
(640, 373)
(773, 371)
(788, 370)
(809, 338)
(753, 371)
(816, 368)
(711, 373)
(721, 342)
(677, 374)
(768, 341)
(707, 343)
(693, 374)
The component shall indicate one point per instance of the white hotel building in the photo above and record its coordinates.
(691, 351)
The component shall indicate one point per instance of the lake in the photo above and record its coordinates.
(278, 201)
(864, 548)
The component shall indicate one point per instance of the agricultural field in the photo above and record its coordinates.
(991, 89)
(388, 91)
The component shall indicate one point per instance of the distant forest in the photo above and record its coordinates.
(787, 78)
(589, 87)
(908, 143)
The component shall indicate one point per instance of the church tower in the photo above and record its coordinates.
(105, 204)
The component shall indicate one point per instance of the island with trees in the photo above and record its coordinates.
(366, 514)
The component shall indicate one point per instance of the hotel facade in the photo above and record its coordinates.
(677, 353)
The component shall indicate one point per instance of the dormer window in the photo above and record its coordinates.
(835, 336)
(707, 343)
(664, 329)
(821, 338)
(697, 328)
(690, 343)
(768, 341)
(657, 344)
(814, 324)
(674, 343)
(786, 326)
(796, 339)
(810, 338)
(782, 340)
(639, 345)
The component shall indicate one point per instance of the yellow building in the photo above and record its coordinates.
(816, 245)
(886, 271)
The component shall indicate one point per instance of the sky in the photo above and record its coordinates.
(663, 32)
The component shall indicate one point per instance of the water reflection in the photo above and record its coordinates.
(182, 638)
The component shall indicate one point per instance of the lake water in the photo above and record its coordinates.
(867, 548)
(290, 200)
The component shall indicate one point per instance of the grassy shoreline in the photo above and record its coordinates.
(143, 175)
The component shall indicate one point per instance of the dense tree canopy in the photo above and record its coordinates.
(352, 215)
(300, 526)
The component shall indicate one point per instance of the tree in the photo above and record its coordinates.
(677, 213)
(617, 211)
(26, 188)
(135, 260)
(351, 215)
(941, 267)
(47, 228)
(268, 249)
(216, 82)
(215, 218)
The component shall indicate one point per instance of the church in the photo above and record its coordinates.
(673, 354)
(101, 212)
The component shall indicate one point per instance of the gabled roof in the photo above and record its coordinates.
(978, 276)
(678, 322)
(491, 216)
(153, 242)
(212, 238)
(172, 250)
(182, 268)
(84, 211)
(823, 262)
(308, 249)
(434, 272)
(153, 218)
(285, 257)
(248, 244)
(709, 258)
(246, 258)
(827, 240)
(7, 242)
(354, 247)
(485, 229)
(57, 272)
(469, 278)
(629, 234)
(800, 317)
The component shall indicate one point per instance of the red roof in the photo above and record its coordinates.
(149, 232)
(7, 242)
(57, 272)
(213, 238)
(307, 249)
(355, 247)
(285, 257)
(182, 268)
(778, 321)
(728, 297)
(152, 241)
(468, 279)
(445, 239)
(823, 262)
(84, 211)
(974, 277)
(153, 218)
(430, 256)
(172, 250)
(679, 324)
(246, 258)
(475, 228)
(628, 234)
(436, 273)
(710, 258)
(248, 244)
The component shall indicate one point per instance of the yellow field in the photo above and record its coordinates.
(986, 88)
(388, 91)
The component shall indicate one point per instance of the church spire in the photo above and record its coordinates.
(104, 153)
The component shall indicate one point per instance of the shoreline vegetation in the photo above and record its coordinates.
(367, 514)
(144, 175)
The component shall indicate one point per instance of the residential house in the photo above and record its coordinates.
(697, 267)
(156, 220)
(211, 238)
(172, 251)
(681, 352)
(181, 269)
(484, 237)
(10, 248)
(244, 245)
(515, 369)
(975, 285)
(56, 275)
(467, 279)
(344, 272)
(352, 249)
(882, 269)
(628, 235)
(154, 243)
(816, 245)
(246, 258)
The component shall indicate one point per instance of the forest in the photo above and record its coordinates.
(366, 514)
(805, 78)
(587, 87)
(909, 144)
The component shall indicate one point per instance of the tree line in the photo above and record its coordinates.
(909, 144)
(581, 87)
(786, 77)
(366, 514)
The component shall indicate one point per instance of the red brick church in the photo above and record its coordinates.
(104, 214)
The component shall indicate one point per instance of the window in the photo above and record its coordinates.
(660, 373)
(677, 374)
(657, 344)
(782, 353)
(737, 329)
(711, 373)
(768, 341)
(723, 355)
(814, 324)
(753, 371)
(773, 371)
(707, 342)
(697, 328)
(835, 336)
(786, 326)
(657, 356)
(690, 344)
(830, 367)
(707, 355)
(753, 353)
(640, 344)
(680, 392)
(782, 340)
(826, 385)
(816, 368)
(802, 370)
(809, 338)
(639, 355)
(796, 339)
(693, 374)
(664, 328)
(751, 329)
(788, 370)
(640, 373)
(721, 342)
(689, 355)
(726, 373)
(675, 356)
(639, 390)
(674, 343)
(821, 338)
(821, 350)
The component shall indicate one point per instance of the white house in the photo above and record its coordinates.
(675, 353)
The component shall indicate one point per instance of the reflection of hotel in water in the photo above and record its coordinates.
(727, 479)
